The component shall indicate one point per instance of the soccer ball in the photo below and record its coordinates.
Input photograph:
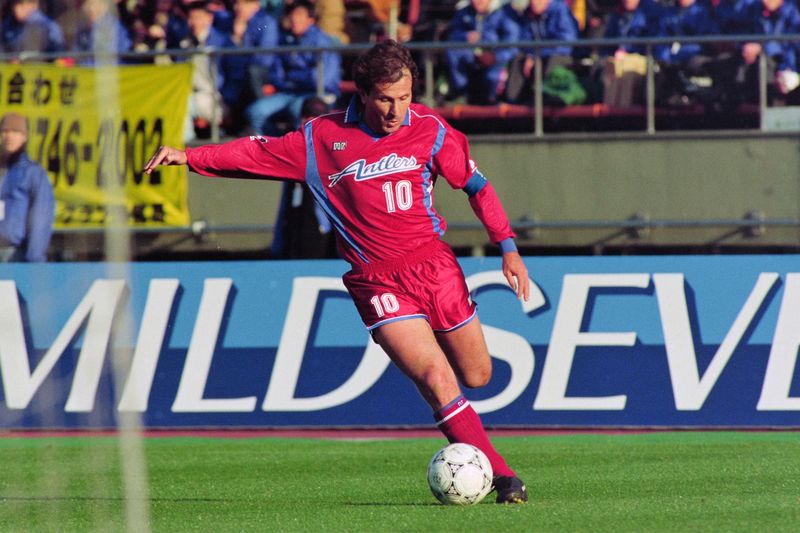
(460, 474)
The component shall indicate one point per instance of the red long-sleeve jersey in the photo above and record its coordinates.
(377, 190)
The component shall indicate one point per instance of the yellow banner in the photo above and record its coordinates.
(93, 129)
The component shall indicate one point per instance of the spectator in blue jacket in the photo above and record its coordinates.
(206, 104)
(729, 15)
(101, 33)
(739, 74)
(27, 29)
(541, 20)
(684, 76)
(253, 27)
(293, 76)
(635, 18)
(27, 206)
(624, 68)
(247, 76)
(688, 18)
(474, 73)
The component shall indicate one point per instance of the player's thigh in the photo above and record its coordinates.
(467, 352)
(413, 348)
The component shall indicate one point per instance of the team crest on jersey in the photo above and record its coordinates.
(386, 165)
(339, 146)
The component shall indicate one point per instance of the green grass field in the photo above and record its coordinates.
(671, 482)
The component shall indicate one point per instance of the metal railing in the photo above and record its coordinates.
(749, 224)
(431, 52)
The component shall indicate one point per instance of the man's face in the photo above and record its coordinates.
(481, 6)
(199, 21)
(772, 5)
(94, 9)
(12, 141)
(245, 9)
(23, 10)
(385, 107)
(630, 5)
(299, 21)
(538, 7)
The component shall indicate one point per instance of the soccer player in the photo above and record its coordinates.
(372, 169)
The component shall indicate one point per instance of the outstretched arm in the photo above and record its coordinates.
(165, 155)
(253, 157)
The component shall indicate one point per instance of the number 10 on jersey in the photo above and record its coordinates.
(397, 197)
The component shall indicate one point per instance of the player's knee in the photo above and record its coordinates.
(478, 377)
(438, 383)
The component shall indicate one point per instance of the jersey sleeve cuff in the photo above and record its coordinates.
(507, 245)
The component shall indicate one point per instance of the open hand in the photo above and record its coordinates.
(516, 273)
(165, 155)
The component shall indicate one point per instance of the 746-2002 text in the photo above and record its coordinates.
(116, 154)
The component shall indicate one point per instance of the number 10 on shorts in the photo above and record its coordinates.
(385, 303)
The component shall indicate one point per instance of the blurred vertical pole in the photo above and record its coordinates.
(427, 65)
(216, 112)
(762, 91)
(117, 256)
(538, 101)
(650, 91)
(320, 74)
(394, 14)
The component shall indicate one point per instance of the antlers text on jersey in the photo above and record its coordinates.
(388, 164)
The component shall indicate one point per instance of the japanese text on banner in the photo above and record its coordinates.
(93, 129)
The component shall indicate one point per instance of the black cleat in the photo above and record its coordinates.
(510, 489)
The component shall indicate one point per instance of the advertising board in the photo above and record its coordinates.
(679, 341)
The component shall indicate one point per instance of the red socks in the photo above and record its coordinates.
(459, 422)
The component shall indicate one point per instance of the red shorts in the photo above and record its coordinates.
(428, 283)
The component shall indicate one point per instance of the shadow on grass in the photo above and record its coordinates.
(34, 499)
(396, 504)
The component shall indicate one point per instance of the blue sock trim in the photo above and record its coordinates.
(440, 413)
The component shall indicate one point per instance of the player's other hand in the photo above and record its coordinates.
(516, 273)
(165, 155)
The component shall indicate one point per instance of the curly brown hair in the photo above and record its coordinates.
(383, 63)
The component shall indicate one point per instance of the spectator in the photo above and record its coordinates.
(383, 14)
(739, 74)
(634, 18)
(624, 69)
(246, 76)
(729, 15)
(597, 13)
(206, 105)
(541, 20)
(684, 76)
(26, 29)
(331, 19)
(302, 230)
(474, 73)
(27, 206)
(293, 77)
(223, 14)
(154, 25)
(100, 32)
